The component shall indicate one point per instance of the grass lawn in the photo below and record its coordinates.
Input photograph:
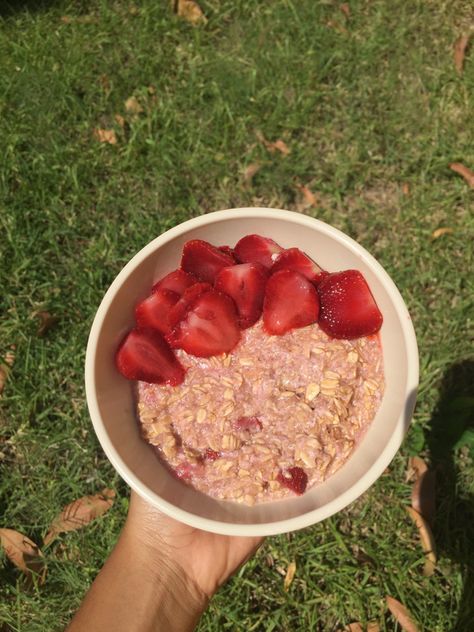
(373, 112)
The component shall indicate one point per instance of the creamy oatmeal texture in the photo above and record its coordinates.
(313, 398)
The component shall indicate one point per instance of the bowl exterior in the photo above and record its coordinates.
(111, 399)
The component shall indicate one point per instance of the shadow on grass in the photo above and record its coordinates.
(453, 426)
(11, 7)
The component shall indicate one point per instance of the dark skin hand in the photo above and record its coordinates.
(160, 575)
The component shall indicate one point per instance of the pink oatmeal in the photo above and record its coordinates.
(308, 398)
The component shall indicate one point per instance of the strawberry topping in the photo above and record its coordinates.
(211, 455)
(176, 281)
(257, 249)
(249, 424)
(227, 250)
(295, 478)
(245, 284)
(209, 326)
(145, 355)
(348, 309)
(178, 312)
(154, 311)
(295, 259)
(291, 301)
(204, 260)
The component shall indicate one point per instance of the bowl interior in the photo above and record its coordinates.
(111, 400)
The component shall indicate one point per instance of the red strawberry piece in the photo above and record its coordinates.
(295, 478)
(295, 259)
(154, 311)
(145, 355)
(177, 281)
(204, 260)
(249, 424)
(348, 309)
(211, 455)
(178, 312)
(209, 327)
(257, 249)
(245, 284)
(291, 301)
(227, 250)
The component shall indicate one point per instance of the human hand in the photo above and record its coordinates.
(207, 559)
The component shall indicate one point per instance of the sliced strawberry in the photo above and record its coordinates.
(227, 250)
(257, 249)
(209, 327)
(211, 455)
(295, 259)
(295, 478)
(204, 260)
(145, 355)
(177, 281)
(178, 312)
(348, 309)
(291, 301)
(153, 312)
(249, 424)
(245, 284)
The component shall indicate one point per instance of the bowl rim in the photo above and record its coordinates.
(320, 513)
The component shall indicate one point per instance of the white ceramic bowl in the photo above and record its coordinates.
(111, 403)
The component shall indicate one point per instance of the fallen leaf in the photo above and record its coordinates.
(401, 614)
(423, 498)
(333, 24)
(269, 560)
(132, 106)
(119, 120)
(345, 8)
(23, 552)
(251, 170)
(4, 370)
(406, 189)
(278, 145)
(309, 199)
(427, 541)
(372, 626)
(460, 46)
(105, 136)
(190, 11)
(290, 574)
(439, 232)
(46, 322)
(80, 512)
(416, 467)
(463, 171)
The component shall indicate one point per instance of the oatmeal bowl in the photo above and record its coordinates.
(251, 371)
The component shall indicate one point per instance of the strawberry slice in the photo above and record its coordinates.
(295, 259)
(257, 249)
(209, 327)
(145, 355)
(249, 424)
(177, 281)
(204, 260)
(245, 284)
(295, 478)
(179, 311)
(348, 309)
(154, 311)
(227, 250)
(291, 301)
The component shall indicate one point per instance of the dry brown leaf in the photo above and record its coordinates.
(333, 24)
(278, 145)
(460, 46)
(439, 232)
(401, 614)
(4, 370)
(47, 321)
(427, 541)
(463, 171)
(80, 512)
(105, 136)
(290, 574)
(345, 8)
(23, 552)
(251, 170)
(132, 106)
(190, 11)
(119, 120)
(406, 189)
(372, 626)
(309, 199)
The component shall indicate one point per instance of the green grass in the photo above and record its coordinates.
(365, 109)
